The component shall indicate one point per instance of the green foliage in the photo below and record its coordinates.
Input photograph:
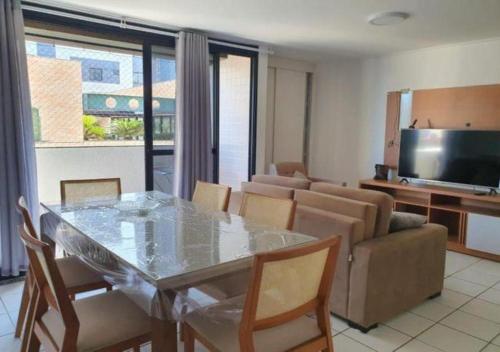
(164, 128)
(128, 128)
(91, 128)
(37, 129)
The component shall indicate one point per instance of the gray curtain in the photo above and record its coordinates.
(193, 154)
(17, 152)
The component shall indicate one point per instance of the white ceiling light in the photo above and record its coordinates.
(388, 18)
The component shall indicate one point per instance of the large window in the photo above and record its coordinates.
(104, 105)
(87, 113)
(163, 131)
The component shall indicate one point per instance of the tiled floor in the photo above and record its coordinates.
(466, 318)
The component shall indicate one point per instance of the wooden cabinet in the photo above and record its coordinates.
(442, 205)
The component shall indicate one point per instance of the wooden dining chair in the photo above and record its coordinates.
(212, 196)
(77, 190)
(106, 322)
(76, 275)
(286, 286)
(275, 212)
(270, 211)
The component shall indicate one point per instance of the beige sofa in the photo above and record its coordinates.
(379, 274)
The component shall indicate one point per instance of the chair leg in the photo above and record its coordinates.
(23, 309)
(323, 319)
(188, 338)
(30, 342)
(182, 328)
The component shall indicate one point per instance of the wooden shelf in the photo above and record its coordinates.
(467, 209)
(412, 201)
(427, 189)
(443, 205)
(453, 237)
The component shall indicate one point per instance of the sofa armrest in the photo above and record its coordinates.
(322, 224)
(395, 272)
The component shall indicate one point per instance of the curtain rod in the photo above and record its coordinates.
(123, 24)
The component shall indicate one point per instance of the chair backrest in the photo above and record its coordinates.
(22, 208)
(78, 190)
(288, 168)
(275, 212)
(51, 292)
(288, 284)
(212, 196)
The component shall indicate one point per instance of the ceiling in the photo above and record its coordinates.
(321, 28)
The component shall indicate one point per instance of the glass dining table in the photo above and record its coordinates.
(155, 247)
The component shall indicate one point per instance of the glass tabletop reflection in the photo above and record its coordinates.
(164, 237)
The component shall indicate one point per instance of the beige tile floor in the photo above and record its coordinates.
(466, 318)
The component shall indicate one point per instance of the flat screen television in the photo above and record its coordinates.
(457, 156)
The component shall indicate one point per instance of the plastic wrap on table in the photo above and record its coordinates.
(163, 304)
(158, 249)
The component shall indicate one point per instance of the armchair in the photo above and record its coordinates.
(288, 169)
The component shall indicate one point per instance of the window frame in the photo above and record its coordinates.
(148, 40)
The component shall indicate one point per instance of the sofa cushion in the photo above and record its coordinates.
(403, 221)
(383, 201)
(360, 210)
(267, 190)
(283, 181)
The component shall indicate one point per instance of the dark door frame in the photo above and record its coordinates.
(216, 51)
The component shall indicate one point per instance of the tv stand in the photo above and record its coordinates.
(447, 206)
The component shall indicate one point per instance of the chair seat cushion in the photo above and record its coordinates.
(105, 320)
(219, 324)
(232, 285)
(78, 276)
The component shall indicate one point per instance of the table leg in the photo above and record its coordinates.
(164, 335)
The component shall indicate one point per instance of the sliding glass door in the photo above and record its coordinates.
(233, 81)
(161, 131)
(104, 101)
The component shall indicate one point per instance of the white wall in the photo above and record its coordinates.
(56, 164)
(450, 66)
(348, 128)
(262, 124)
(335, 120)
(284, 94)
